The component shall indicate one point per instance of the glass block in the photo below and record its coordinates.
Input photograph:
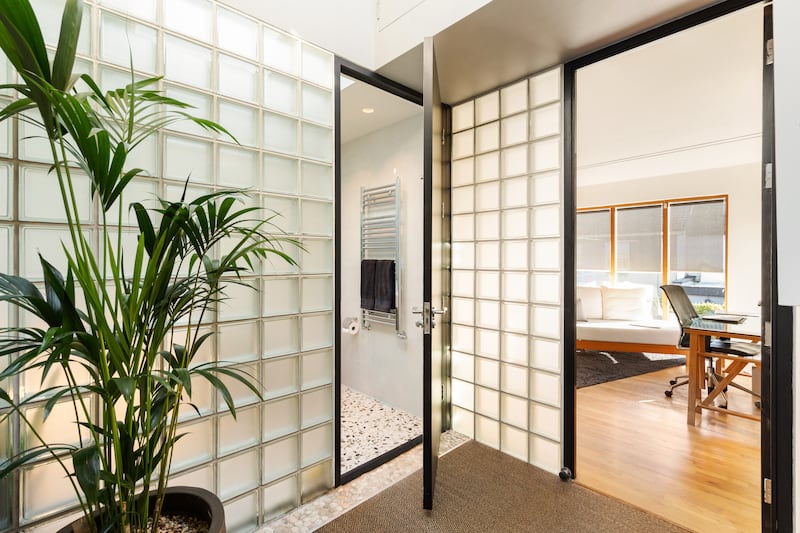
(184, 158)
(514, 193)
(317, 218)
(316, 369)
(202, 477)
(317, 332)
(33, 381)
(463, 311)
(462, 199)
(241, 121)
(190, 17)
(316, 445)
(33, 144)
(545, 421)
(545, 87)
(317, 295)
(280, 337)
(242, 301)
(515, 224)
(487, 226)
(515, 161)
(237, 78)
(546, 355)
(488, 343)
(60, 426)
(514, 98)
(463, 255)
(5, 132)
(545, 387)
(145, 156)
(317, 180)
(514, 380)
(280, 92)
(281, 296)
(487, 167)
(46, 489)
(463, 422)
(546, 221)
(488, 285)
(241, 515)
(238, 433)
(111, 78)
(463, 227)
(49, 18)
(487, 255)
(280, 133)
(6, 257)
(545, 454)
(487, 431)
(463, 144)
(546, 321)
(487, 196)
(463, 116)
(41, 196)
(238, 342)
(48, 241)
(463, 283)
(317, 142)
(463, 367)
(487, 402)
(285, 211)
(281, 458)
(462, 172)
(514, 348)
(142, 9)
(238, 474)
(119, 36)
(545, 155)
(280, 417)
(187, 62)
(280, 174)
(317, 65)
(546, 287)
(487, 374)
(462, 338)
(316, 480)
(515, 286)
(237, 33)
(279, 498)
(514, 130)
(174, 192)
(515, 317)
(201, 104)
(318, 257)
(546, 121)
(317, 104)
(280, 377)
(546, 254)
(488, 314)
(487, 108)
(281, 51)
(514, 442)
(487, 137)
(237, 167)
(240, 394)
(196, 447)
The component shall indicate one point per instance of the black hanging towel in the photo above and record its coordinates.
(368, 283)
(384, 285)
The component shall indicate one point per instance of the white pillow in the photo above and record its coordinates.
(591, 301)
(580, 316)
(627, 303)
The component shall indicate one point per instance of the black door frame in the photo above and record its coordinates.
(777, 404)
(352, 70)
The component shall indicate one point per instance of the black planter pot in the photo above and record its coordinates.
(193, 501)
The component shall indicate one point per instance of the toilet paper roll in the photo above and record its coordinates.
(350, 326)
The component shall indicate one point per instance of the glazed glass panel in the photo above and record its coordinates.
(241, 121)
(515, 286)
(514, 348)
(487, 108)
(237, 167)
(546, 321)
(281, 51)
(514, 98)
(237, 33)
(546, 188)
(463, 311)
(487, 255)
(280, 337)
(281, 296)
(49, 241)
(487, 431)
(317, 294)
(187, 62)
(143, 9)
(49, 13)
(464, 422)
(317, 218)
(318, 256)
(281, 458)
(463, 172)
(463, 116)
(514, 380)
(487, 196)
(280, 417)
(41, 197)
(316, 445)
(488, 314)
(463, 227)
(546, 287)
(545, 388)
(514, 130)
(515, 255)
(463, 283)
(463, 144)
(515, 224)
(488, 285)
(317, 104)
(280, 174)
(237, 78)
(463, 367)
(487, 402)
(487, 166)
(487, 137)
(46, 489)
(279, 498)
(238, 433)
(317, 142)
(201, 104)
(463, 338)
(487, 344)
(546, 355)
(545, 453)
(316, 480)
(280, 92)
(238, 341)
(202, 477)
(545, 420)
(5, 131)
(280, 377)
(545, 155)
(515, 161)
(316, 180)
(280, 133)
(316, 369)
(238, 474)
(463, 394)
(317, 65)
(284, 212)
(116, 50)
(317, 332)
(241, 515)
(463, 199)
(195, 448)
(546, 121)
(33, 145)
(487, 226)
(514, 442)
(188, 158)
(190, 17)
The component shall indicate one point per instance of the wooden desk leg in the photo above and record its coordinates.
(695, 377)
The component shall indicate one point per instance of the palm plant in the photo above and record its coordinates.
(119, 327)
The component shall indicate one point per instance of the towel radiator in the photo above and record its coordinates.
(380, 239)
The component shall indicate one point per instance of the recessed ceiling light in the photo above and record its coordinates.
(367, 110)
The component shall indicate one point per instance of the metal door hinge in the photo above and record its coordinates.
(767, 491)
(767, 175)
(770, 52)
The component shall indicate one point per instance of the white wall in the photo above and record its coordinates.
(378, 362)
(742, 184)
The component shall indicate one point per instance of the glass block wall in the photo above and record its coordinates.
(274, 93)
(506, 269)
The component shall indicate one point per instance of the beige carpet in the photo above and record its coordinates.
(480, 489)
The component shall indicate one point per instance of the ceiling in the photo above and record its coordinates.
(388, 109)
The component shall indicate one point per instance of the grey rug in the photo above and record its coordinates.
(593, 368)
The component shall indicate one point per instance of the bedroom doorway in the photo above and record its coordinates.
(668, 153)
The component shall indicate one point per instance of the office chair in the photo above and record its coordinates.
(686, 312)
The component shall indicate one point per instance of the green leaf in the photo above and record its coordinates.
(67, 44)
(87, 470)
(126, 386)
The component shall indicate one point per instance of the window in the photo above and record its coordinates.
(593, 258)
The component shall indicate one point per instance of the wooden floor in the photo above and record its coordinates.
(633, 443)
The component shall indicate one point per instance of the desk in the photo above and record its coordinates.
(699, 332)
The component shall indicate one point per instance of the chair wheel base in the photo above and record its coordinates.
(673, 381)
(668, 393)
